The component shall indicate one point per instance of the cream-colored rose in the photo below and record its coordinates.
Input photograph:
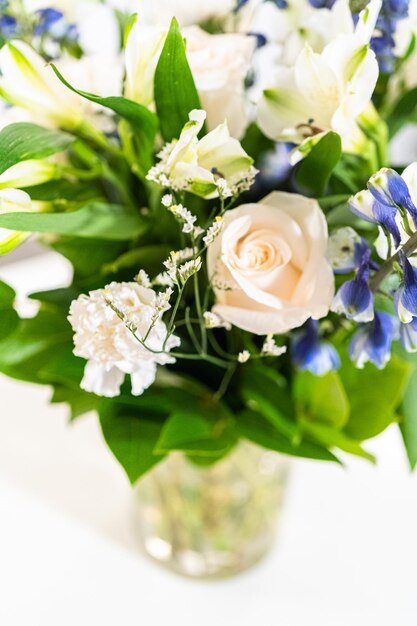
(268, 268)
(220, 64)
(186, 11)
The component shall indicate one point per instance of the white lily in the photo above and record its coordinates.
(143, 48)
(322, 92)
(204, 167)
(28, 173)
(12, 200)
(28, 82)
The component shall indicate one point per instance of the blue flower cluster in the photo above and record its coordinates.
(383, 42)
(388, 203)
(45, 24)
(52, 23)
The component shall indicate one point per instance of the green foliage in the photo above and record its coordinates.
(403, 111)
(96, 221)
(88, 260)
(408, 423)
(265, 391)
(175, 92)
(131, 436)
(321, 399)
(408, 409)
(313, 172)
(178, 415)
(144, 123)
(149, 258)
(197, 432)
(9, 319)
(78, 401)
(374, 396)
(33, 345)
(24, 141)
(259, 430)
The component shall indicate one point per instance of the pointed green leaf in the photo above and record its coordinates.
(143, 122)
(313, 173)
(175, 91)
(131, 438)
(24, 141)
(96, 221)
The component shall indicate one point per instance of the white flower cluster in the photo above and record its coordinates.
(181, 272)
(244, 356)
(104, 323)
(182, 215)
(212, 320)
(270, 348)
(214, 231)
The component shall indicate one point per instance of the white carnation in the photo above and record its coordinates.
(110, 348)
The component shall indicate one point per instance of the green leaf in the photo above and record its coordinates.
(143, 122)
(79, 401)
(404, 111)
(321, 398)
(33, 344)
(257, 429)
(196, 432)
(88, 260)
(265, 392)
(374, 395)
(24, 141)
(408, 410)
(9, 319)
(314, 171)
(408, 424)
(333, 438)
(66, 190)
(175, 91)
(60, 298)
(96, 221)
(131, 437)
(149, 258)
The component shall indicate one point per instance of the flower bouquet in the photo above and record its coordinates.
(243, 249)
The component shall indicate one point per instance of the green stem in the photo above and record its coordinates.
(408, 248)
(227, 378)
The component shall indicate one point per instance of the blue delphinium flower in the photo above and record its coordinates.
(322, 4)
(355, 299)
(372, 342)
(408, 335)
(391, 190)
(52, 22)
(281, 4)
(383, 41)
(368, 208)
(310, 353)
(346, 250)
(8, 26)
(405, 297)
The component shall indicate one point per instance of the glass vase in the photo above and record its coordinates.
(211, 521)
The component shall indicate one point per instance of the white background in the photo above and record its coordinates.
(346, 556)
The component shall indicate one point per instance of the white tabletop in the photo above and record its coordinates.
(347, 553)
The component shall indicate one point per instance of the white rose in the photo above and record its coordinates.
(268, 267)
(110, 348)
(220, 64)
(187, 12)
